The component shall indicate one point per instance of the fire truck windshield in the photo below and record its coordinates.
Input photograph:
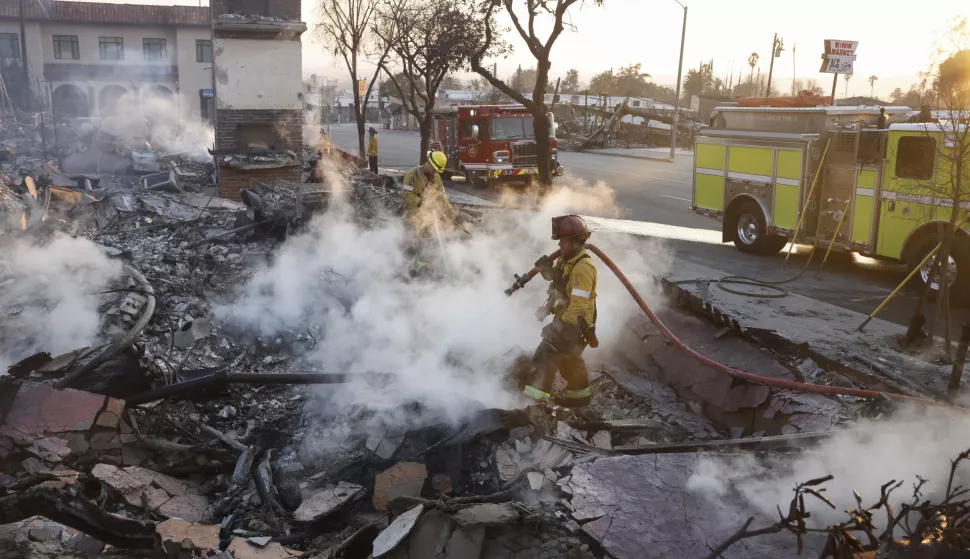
(512, 128)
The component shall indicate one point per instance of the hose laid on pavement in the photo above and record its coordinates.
(520, 282)
(736, 373)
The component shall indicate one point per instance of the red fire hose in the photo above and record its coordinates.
(520, 282)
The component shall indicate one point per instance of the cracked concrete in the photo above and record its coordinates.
(744, 408)
(169, 497)
(639, 507)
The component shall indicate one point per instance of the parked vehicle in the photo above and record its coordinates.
(880, 193)
(491, 143)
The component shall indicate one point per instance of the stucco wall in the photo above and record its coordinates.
(194, 76)
(35, 60)
(88, 42)
(258, 74)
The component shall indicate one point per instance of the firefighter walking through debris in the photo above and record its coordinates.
(572, 302)
(425, 201)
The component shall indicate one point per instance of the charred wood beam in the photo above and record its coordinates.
(71, 509)
(780, 441)
(223, 376)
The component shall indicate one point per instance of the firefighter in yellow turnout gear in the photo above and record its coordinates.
(424, 196)
(572, 302)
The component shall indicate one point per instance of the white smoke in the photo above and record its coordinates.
(48, 296)
(446, 342)
(159, 121)
(914, 442)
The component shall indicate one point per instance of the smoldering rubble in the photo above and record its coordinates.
(294, 375)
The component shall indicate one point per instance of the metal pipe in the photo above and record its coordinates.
(223, 376)
(23, 58)
(805, 203)
(680, 67)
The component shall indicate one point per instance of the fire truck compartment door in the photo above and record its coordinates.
(709, 162)
(788, 178)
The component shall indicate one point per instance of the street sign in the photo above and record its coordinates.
(837, 65)
(362, 87)
(840, 48)
(838, 56)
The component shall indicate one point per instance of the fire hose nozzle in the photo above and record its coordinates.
(520, 281)
(518, 284)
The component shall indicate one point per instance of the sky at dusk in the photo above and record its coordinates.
(648, 32)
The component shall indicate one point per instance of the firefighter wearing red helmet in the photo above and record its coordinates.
(572, 302)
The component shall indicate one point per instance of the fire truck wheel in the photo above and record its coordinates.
(750, 231)
(959, 269)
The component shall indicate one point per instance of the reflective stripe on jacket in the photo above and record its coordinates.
(579, 288)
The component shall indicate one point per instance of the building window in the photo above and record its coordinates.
(9, 45)
(915, 157)
(203, 50)
(112, 48)
(155, 49)
(65, 47)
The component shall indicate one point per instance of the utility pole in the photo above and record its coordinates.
(776, 48)
(793, 92)
(680, 67)
(586, 111)
(23, 58)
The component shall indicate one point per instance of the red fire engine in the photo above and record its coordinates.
(491, 143)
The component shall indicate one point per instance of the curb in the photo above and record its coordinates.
(625, 156)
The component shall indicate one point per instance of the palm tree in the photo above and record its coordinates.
(847, 77)
(872, 84)
(752, 61)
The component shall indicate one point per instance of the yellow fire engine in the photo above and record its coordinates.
(830, 172)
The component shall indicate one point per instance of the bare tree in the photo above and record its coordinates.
(948, 187)
(951, 185)
(429, 39)
(346, 30)
(524, 15)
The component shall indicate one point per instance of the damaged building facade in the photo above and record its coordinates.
(90, 58)
(258, 92)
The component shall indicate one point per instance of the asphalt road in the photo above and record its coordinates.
(654, 191)
(657, 193)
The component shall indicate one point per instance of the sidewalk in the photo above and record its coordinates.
(649, 154)
(801, 326)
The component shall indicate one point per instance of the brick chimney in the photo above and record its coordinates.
(258, 75)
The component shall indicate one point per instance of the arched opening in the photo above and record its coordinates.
(157, 93)
(110, 99)
(70, 101)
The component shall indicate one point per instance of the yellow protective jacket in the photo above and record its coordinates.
(578, 286)
(372, 147)
(426, 202)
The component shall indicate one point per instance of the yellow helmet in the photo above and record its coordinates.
(437, 160)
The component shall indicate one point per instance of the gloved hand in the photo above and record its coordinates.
(544, 265)
(542, 312)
